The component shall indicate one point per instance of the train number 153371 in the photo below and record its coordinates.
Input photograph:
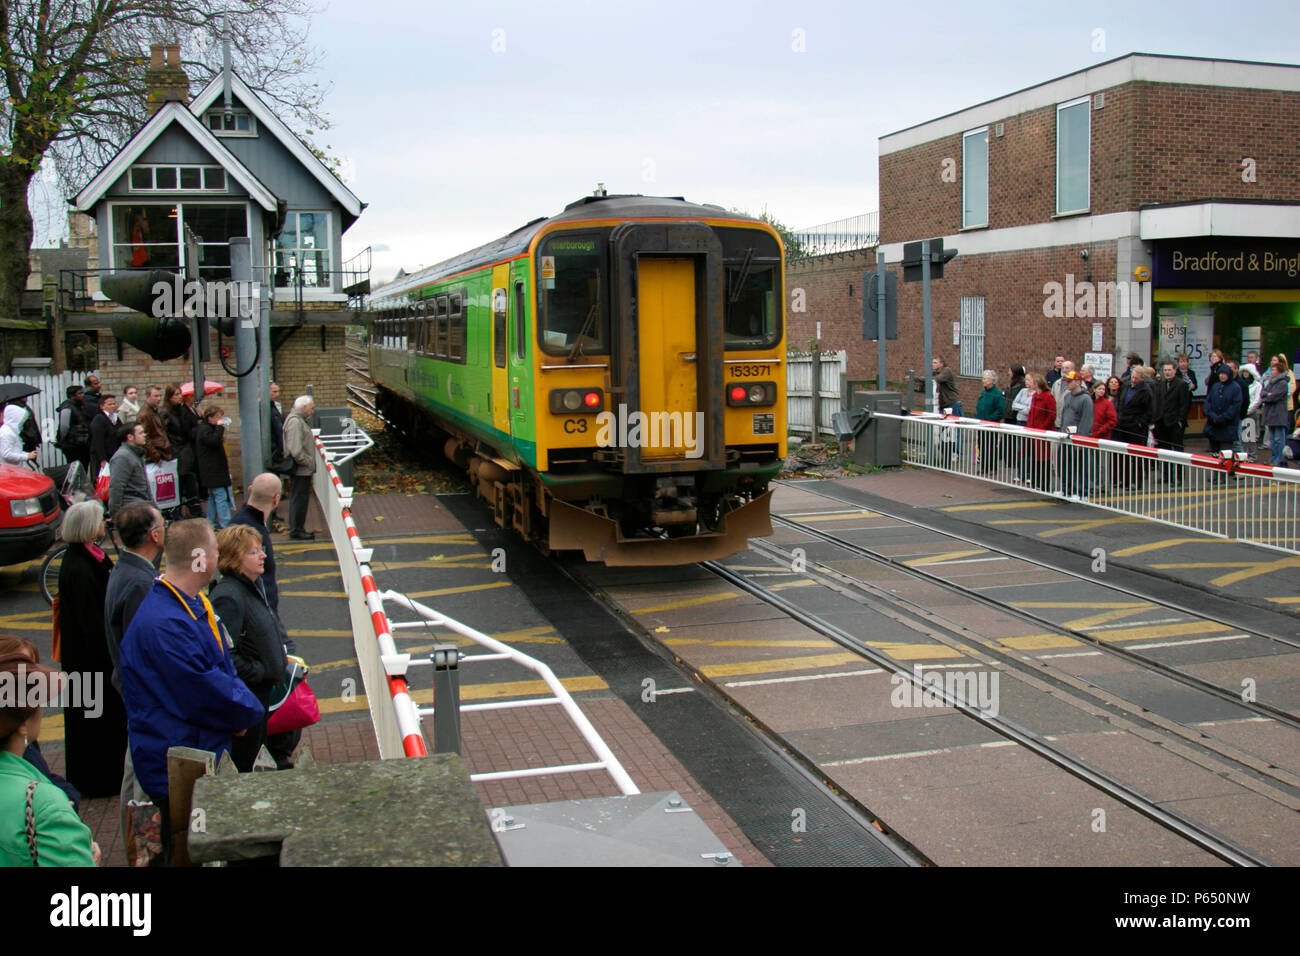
(750, 371)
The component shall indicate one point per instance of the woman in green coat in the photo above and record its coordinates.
(37, 823)
(991, 407)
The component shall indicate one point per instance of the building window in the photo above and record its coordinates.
(234, 123)
(1073, 156)
(191, 179)
(975, 178)
(150, 235)
(302, 251)
(972, 335)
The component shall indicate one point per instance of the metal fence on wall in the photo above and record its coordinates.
(45, 406)
(1227, 498)
(842, 235)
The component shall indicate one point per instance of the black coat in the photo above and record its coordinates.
(104, 442)
(1176, 399)
(180, 422)
(94, 746)
(256, 631)
(1134, 414)
(257, 521)
(210, 455)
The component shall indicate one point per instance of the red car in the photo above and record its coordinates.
(29, 514)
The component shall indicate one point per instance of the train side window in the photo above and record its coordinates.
(441, 347)
(456, 327)
(521, 340)
(423, 346)
(499, 301)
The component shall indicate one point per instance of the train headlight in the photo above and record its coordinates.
(754, 393)
(579, 401)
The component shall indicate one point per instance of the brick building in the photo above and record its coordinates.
(1180, 172)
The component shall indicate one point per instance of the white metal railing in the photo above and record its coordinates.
(559, 695)
(1224, 497)
(345, 446)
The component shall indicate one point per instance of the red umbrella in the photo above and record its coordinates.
(209, 387)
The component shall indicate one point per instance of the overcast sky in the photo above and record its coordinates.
(457, 125)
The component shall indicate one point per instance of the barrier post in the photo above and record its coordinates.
(446, 699)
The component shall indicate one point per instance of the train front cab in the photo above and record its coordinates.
(696, 347)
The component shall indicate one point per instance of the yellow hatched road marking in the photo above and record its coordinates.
(711, 598)
(1263, 567)
(946, 556)
(836, 516)
(1087, 604)
(1035, 642)
(1205, 564)
(464, 589)
(898, 651)
(497, 691)
(1285, 600)
(1089, 525)
(1155, 546)
(313, 594)
(1083, 623)
(327, 633)
(1002, 506)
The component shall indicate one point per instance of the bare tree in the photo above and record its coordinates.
(74, 87)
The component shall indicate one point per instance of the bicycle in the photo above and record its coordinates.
(49, 573)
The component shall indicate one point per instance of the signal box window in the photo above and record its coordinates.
(302, 251)
(570, 274)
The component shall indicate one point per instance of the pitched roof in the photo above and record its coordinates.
(171, 112)
(212, 93)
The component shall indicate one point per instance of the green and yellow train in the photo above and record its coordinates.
(612, 378)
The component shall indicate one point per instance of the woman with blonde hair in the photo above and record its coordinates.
(254, 627)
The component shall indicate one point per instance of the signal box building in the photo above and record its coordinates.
(1073, 203)
(218, 169)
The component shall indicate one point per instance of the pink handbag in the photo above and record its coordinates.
(299, 710)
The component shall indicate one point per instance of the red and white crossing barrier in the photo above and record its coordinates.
(396, 718)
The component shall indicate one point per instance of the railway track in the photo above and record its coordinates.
(1188, 829)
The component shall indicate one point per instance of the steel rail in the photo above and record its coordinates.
(1038, 562)
(1165, 670)
(1206, 839)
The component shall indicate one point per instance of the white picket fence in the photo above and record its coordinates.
(45, 407)
(799, 389)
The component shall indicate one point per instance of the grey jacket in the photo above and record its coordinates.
(127, 480)
(1076, 409)
(298, 442)
(1272, 399)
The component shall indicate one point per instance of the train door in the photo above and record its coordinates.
(500, 348)
(667, 354)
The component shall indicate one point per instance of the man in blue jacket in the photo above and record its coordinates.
(178, 681)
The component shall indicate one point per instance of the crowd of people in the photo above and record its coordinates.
(195, 656)
(1144, 406)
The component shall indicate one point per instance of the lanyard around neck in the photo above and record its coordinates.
(212, 615)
